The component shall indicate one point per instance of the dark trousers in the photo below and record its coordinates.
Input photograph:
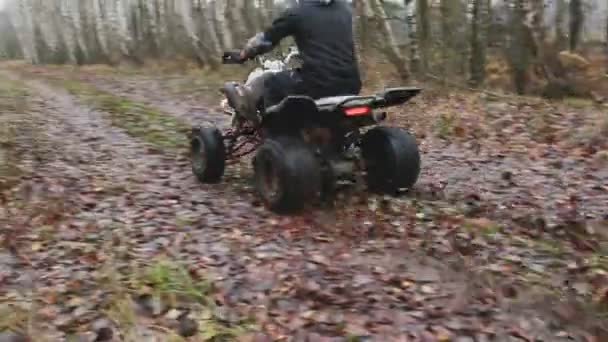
(280, 85)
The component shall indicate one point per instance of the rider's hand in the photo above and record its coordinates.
(233, 57)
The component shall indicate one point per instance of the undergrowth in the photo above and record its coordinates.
(163, 286)
(138, 120)
(13, 101)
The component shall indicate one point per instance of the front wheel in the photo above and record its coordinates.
(287, 174)
(207, 154)
(391, 158)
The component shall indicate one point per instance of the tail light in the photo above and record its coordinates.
(357, 111)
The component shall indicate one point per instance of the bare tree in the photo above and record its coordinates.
(424, 30)
(214, 45)
(387, 42)
(561, 9)
(576, 22)
(22, 18)
(518, 46)
(238, 22)
(606, 41)
(477, 59)
(412, 29)
(224, 27)
(47, 27)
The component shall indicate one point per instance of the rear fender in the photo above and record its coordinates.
(291, 113)
(396, 96)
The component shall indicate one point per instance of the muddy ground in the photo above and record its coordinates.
(108, 236)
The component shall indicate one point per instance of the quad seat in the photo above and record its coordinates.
(333, 100)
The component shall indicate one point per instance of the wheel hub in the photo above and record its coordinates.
(199, 158)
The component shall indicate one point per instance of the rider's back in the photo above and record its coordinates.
(324, 36)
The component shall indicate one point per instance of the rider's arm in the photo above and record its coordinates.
(283, 26)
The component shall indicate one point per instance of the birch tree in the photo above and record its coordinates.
(22, 18)
(214, 46)
(423, 30)
(250, 15)
(560, 14)
(114, 12)
(412, 30)
(517, 46)
(73, 9)
(47, 26)
(223, 27)
(387, 42)
(184, 10)
(576, 22)
(238, 20)
(100, 29)
(152, 21)
(606, 41)
(477, 58)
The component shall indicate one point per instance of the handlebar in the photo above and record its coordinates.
(232, 57)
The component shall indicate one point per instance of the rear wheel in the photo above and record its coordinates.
(392, 159)
(208, 154)
(287, 174)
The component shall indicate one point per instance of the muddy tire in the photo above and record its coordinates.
(207, 154)
(287, 174)
(392, 159)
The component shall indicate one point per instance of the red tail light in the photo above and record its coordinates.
(356, 111)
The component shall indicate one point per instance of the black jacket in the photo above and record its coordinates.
(324, 36)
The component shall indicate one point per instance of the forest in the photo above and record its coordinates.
(106, 234)
(529, 47)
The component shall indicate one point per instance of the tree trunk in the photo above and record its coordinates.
(214, 46)
(241, 32)
(161, 12)
(122, 12)
(388, 44)
(539, 37)
(47, 27)
(250, 13)
(487, 16)
(424, 31)
(150, 8)
(445, 38)
(414, 51)
(362, 34)
(576, 22)
(606, 41)
(268, 12)
(477, 61)
(73, 10)
(223, 27)
(100, 28)
(67, 31)
(560, 14)
(518, 48)
(24, 26)
(184, 10)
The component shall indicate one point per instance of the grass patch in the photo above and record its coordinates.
(170, 281)
(160, 287)
(578, 102)
(138, 120)
(13, 102)
(448, 125)
(14, 318)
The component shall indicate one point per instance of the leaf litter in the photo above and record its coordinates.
(491, 244)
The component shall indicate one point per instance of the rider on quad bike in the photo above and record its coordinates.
(322, 30)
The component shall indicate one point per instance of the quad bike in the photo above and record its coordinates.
(305, 146)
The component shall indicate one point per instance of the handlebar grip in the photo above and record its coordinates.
(232, 57)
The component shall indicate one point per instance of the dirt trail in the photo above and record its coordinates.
(401, 279)
(502, 179)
